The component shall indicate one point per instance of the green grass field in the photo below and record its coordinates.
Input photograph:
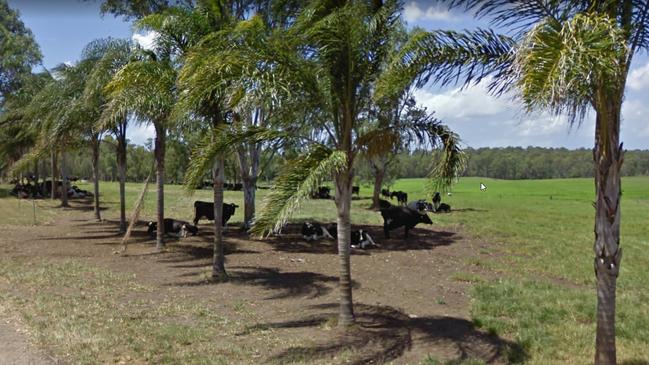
(543, 291)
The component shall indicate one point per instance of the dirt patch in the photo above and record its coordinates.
(408, 301)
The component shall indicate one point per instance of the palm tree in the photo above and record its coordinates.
(320, 71)
(568, 57)
(145, 88)
(112, 55)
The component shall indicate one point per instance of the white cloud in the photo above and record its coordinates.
(483, 120)
(639, 78)
(147, 40)
(413, 12)
(69, 63)
(139, 133)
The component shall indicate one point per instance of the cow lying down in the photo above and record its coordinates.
(314, 231)
(174, 227)
(360, 239)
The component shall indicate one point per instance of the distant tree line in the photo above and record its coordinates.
(511, 163)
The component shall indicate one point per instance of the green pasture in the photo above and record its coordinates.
(539, 234)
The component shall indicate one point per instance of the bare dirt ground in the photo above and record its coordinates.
(410, 301)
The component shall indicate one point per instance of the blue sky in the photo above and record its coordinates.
(63, 29)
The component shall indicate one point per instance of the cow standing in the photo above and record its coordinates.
(395, 217)
(206, 210)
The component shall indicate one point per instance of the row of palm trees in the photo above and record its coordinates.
(333, 76)
(241, 80)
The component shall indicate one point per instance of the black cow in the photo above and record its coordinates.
(314, 231)
(384, 204)
(324, 192)
(356, 190)
(206, 210)
(173, 227)
(385, 193)
(443, 208)
(359, 238)
(395, 217)
(402, 198)
(437, 199)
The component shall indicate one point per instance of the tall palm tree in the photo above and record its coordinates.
(145, 88)
(322, 67)
(112, 55)
(568, 57)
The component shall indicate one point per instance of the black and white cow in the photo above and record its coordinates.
(359, 238)
(395, 217)
(314, 231)
(419, 205)
(206, 210)
(173, 227)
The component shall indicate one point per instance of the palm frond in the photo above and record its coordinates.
(559, 64)
(220, 142)
(144, 87)
(451, 164)
(296, 181)
(520, 15)
(450, 57)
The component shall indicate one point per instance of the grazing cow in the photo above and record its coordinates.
(385, 193)
(402, 198)
(437, 199)
(323, 192)
(359, 238)
(173, 227)
(384, 204)
(395, 217)
(356, 190)
(314, 231)
(444, 208)
(206, 210)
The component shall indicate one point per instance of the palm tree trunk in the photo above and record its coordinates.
(378, 182)
(249, 192)
(64, 180)
(343, 203)
(95, 173)
(608, 156)
(160, 177)
(54, 170)
(218, 263)
(121, 164)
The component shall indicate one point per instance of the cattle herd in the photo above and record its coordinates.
(405, 214)
(30, 188)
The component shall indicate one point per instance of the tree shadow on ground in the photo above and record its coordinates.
(283, 285)
(635, 362)
(83, 205)
(184, 252)
(382, 334)
(291, 240)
